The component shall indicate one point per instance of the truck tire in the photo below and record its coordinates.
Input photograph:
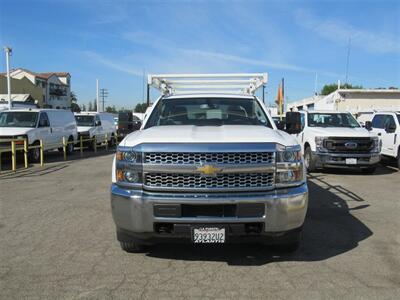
(398, 159)
(70, 147)
(131, 247)
(34, 154)
(309, 160)
(111, 143)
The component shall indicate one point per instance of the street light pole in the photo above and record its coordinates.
(8, 52)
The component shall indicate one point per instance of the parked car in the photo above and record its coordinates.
(387, 126)
(333, 139)
(127, 123)
(96, 124)
(208, 168)
(48, 125)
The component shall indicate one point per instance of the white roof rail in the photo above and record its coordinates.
(240, 83)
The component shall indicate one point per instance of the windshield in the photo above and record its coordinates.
(18, 119)
(84, 120)
(398, 117)
(332, 120)
(208, 112)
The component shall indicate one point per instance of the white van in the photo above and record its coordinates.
(387, 126)
(48, 125)
(96, 124)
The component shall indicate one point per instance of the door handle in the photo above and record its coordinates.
(379, 134)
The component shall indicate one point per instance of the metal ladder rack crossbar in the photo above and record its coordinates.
(240, 83)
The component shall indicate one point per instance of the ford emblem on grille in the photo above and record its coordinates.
(351, 145)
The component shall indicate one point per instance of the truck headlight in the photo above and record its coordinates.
(376, 148)
(289, 167)
(128, 156)
(319, 143)
(129, 166)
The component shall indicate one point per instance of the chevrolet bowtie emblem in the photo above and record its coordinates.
(208, 170)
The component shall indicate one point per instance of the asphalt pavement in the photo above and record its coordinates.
(57, 241)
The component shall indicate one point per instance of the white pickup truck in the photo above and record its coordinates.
(387, 126)
(333, 139)
(208, 166)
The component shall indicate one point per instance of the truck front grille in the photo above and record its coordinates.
(219, 158)
(198, 182)
(341, 144)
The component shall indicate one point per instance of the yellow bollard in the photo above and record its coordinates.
(81, 145)
(26, 153)
(41, 153)
(13, 156)
(65, 148)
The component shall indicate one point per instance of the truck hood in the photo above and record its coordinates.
(84, 128)
(340, 132)
(8, 131)
(208, 134)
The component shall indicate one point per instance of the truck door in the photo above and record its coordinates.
(389, 137)
(45, 131)
(99, 131)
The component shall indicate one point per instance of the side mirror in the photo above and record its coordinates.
(280, 125)
(293, 122)
(391, 128)
(97, 123)
(368, 125)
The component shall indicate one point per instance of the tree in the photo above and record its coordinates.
(83, 107)
(140, 107)
(111, 109)
(330, 88)
(90, 107)
(74, 103)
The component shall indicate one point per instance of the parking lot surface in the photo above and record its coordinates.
(57, 240)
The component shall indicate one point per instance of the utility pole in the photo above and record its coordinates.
(103, 95)
(97, 96)
(316, 84)
(8, 52)
(348, 59)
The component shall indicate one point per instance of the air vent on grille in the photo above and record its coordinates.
(221, 181)
(220, 158)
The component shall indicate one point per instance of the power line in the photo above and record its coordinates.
(103, 95)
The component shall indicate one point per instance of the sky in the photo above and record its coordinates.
(304, 42)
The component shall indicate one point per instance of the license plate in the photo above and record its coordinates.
(351, 161)
(208, 235)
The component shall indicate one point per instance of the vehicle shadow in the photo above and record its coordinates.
(383, 168)
(329, 230)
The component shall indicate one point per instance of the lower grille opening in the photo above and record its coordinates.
(164, 228)
(253, 228)
(199, 211)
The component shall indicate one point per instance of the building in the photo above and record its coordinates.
(352, 100)
(55, 87)
(17, 100)
(20, 88)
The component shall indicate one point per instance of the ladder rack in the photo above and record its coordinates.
(240, 83)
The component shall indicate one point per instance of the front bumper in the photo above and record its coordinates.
(339, 159)
(134, 214)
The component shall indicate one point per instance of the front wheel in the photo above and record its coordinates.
(309, 160)
(70, 146)
(34, 154)
(131, 247)
(398, 159)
